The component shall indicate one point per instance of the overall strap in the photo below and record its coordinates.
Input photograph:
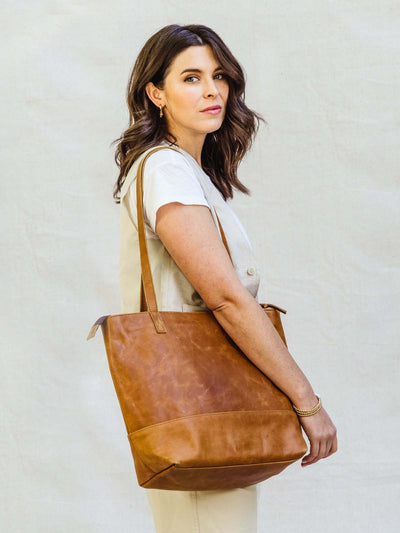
(148, 295)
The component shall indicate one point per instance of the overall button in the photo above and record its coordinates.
(251, 271)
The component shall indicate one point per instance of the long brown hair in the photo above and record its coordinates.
(223, 149)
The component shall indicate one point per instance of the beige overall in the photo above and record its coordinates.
(216, 511)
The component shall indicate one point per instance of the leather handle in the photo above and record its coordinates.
(147, 286)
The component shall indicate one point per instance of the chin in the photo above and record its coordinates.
(214, 126)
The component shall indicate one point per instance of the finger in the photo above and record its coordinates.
(329, 448)
(308, 459)
(321, 452)
(334, 447)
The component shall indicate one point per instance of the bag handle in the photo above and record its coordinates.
(147, 285)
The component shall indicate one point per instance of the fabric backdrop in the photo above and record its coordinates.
(323, 215)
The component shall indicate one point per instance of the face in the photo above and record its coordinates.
(194, 82)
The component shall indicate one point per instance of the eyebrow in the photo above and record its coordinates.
(198, 70)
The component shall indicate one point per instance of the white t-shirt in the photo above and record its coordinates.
(171, 176)
(167, 177)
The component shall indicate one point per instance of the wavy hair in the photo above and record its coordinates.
(223, 149)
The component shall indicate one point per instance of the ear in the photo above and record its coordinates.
(155, 94)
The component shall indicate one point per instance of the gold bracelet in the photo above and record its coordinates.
(304, 412)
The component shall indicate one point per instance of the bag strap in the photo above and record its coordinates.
(147, 286)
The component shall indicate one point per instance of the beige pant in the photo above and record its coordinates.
(205, 511)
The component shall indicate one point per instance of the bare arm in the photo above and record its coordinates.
(189, 234)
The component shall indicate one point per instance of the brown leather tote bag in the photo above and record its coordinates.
(198, 413)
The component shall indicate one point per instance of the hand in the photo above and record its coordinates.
(321, 433)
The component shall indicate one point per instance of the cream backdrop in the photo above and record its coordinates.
(324, 216)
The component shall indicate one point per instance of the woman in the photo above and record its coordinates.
(187, 90)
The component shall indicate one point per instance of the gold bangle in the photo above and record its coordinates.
(304, 412)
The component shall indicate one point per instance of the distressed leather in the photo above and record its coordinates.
(199, 414)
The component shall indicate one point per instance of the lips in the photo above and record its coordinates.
(214, 107)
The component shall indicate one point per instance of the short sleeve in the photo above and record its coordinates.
(168, 177)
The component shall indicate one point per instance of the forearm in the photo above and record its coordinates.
(245, 321)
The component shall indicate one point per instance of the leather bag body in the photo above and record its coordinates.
(199, 414)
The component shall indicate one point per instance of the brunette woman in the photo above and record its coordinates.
(186, 90)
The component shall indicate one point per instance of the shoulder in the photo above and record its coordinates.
(168, 174)
(161, 166)
(167, 156)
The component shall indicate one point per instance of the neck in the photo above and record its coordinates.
(192, 146)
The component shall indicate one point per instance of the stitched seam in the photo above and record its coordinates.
(211, 414)
(238, 465)
(196, 524)
(175, 312)
(162, 472)
(167, 312)
(157, 474)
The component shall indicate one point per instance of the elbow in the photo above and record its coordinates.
(229, 300)
(221, 306)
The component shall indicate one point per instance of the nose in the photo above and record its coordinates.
(210, 88)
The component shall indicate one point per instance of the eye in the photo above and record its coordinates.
(220, 74)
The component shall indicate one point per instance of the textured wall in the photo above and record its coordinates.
(324, 215)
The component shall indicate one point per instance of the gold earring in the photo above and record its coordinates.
(161, 111)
